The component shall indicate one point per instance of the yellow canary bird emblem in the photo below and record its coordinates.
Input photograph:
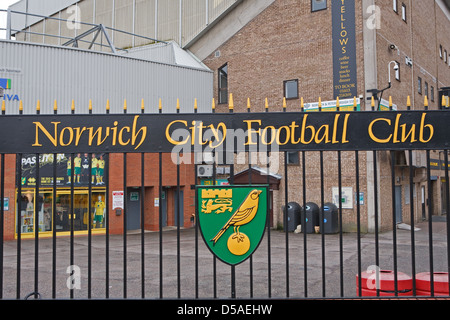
(243, 215)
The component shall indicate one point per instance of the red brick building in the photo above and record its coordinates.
(115, 182)
(285, 48)
(271, 49)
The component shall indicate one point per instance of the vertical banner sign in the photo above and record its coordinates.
(344, 49)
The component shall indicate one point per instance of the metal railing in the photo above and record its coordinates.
(175, 264)
(95, 29)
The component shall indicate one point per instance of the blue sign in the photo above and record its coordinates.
(344, 49)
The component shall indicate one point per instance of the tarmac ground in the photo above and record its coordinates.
(331, 274)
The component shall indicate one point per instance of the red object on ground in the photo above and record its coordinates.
(386, 284)
(440, 284)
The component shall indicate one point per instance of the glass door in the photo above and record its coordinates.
(40, 215)
(43, 217)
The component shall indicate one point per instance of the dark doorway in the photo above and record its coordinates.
(398, 204)
(133, 208)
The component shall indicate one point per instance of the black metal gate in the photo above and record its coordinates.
(352, 160)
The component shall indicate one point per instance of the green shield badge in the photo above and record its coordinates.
(232, 220)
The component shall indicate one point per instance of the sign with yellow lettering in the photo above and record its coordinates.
(344, 49)
(233, 132)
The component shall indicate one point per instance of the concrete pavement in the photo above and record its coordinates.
(252, 277)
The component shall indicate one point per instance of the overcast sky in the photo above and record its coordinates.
(4, 4)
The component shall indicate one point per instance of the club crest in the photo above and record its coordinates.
(232, 220)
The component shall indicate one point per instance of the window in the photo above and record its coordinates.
(45, 219)
(440, 52)
(71, 213)
(290, 89)
(223, 84)
(445, 56)
(397, 72)
(404, 12)
(395, 6)
(432, 93)
(317, 5)
(292, 158)
(419, 85)
(426, 88)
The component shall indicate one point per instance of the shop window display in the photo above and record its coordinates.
(62, 219)
(88, 174)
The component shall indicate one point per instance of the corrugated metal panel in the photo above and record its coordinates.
(160, 52)
(145, 21)
(217, 7)
(194, 15)
(44, 8)
(123, 20)
(170, 53)
(48, 73)
(194, 18)
(168, 20)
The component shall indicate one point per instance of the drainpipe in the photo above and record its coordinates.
(370, 81)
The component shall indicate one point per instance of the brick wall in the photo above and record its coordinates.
(9, 215)
(151, 181)
(418, 38)
(288, 41)
(116, 183)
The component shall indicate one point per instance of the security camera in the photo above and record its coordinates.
(396, 67)
(393, 46)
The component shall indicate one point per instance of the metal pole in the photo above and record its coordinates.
(8, 25)
(180, 23)
(156, 19)
(110, 43)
